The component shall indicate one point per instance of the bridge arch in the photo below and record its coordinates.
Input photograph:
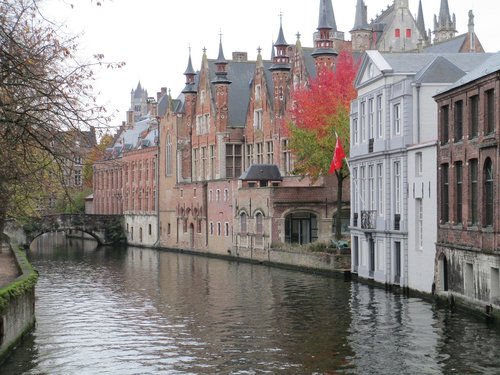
(106, 229)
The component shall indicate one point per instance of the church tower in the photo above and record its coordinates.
(324, 53)
(221, 83)
(360, 33)
(184, 134)
(280, 70)
(445, 27)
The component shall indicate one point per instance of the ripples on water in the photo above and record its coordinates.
(139, 311)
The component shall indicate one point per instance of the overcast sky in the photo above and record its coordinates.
(153, 36)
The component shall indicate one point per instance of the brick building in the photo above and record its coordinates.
(468, 237)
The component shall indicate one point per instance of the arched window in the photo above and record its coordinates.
(259, 228)
(168, 156)
(243, 223)
(488, 192)
(301, 228)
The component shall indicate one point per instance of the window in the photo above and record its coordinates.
(379, 116)
(269, 152)
(371, 188)
(371, 124)
(474, 192)
(444, 194)
(397, 118)
(260, 153)
(243, 223)
(233, 160)
(226, 229)
(149, 229)
(168, 156)
(458, 191)
(490, 112)
(210, 195)
(217, 195)
(226, 195)
(257, 92)
(203, 163)
(249, 155)
(301, 228)
(419, 220)
(362, 188)
(397, 33)
(355, 139)
(474, 116)
(259, 228)
(459, 121)
(488, 193)
(212, 161)
(408, 33)
(257, 119)
(380, 189)
(397, 187)
(218, 228)
(445, 112)
(355, 189)
(195, 164)
(363, 122)
(211, 228)
(287, 157)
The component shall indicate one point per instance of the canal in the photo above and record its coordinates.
(142, 311)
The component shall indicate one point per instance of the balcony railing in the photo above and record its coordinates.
(368, 219)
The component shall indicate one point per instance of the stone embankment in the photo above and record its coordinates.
(17, 297)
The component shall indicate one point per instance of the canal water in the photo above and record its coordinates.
(142, 311)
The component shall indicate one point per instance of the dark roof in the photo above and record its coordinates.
(489, 66)
(449, 46)
(262, 172)
(440, 70)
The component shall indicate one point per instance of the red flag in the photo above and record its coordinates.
(338, 156)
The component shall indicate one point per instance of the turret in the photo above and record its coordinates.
(281, 71)
(361, 32)
(445, 27)
(221, 83)
(325, 53)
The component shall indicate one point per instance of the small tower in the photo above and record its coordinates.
(281, 72)
(221, 83)
(184, 133)
(361, 32)
(138, 102)
(445, 27)
(324, 53)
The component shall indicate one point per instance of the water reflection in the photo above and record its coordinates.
(140, 311)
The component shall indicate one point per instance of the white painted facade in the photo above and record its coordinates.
(394, 168)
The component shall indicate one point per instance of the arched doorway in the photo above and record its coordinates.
(301, 228)
(443, 273)
(191, 235)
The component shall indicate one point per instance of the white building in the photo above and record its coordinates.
(393, 164)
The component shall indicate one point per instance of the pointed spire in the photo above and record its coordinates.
(324, 41)
(281, 59)
(360, 22)
(326, 16)
(444, 24)
(190, 74)
(260, 63)
(220, 57)
(221, 66)
(281, 37)
(420, 21)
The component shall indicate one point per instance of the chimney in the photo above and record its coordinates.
(130, 118)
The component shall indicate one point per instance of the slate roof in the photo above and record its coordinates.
(439, 70)
(262, 172)
(491, 65)
(449, 46)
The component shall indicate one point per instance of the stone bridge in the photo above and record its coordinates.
(106, 229)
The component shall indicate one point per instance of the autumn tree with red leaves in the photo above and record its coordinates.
(320, 115)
